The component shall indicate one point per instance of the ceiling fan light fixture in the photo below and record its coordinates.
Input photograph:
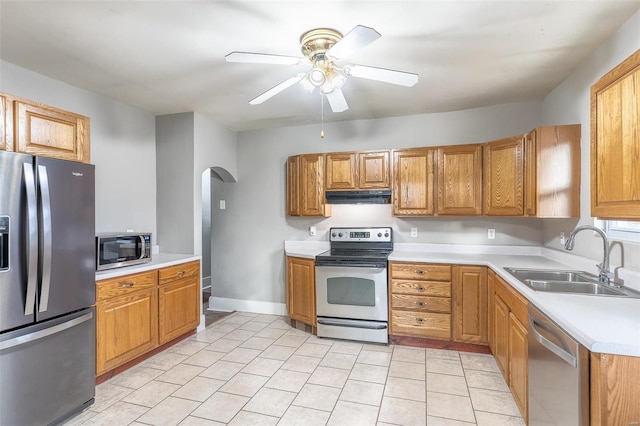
(316, 76)
(308, 85)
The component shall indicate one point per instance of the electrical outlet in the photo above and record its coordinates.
(491, 234)
(562, 238)
(414, 232)
(312, 230)
(223, 205)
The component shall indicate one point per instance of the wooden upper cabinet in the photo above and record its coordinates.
(357, 170)
(50, 132)
(413, 182)
(504, 177)
(373, 170)
(615, 142)
(459, 181)
(305, 186)
(341, 170)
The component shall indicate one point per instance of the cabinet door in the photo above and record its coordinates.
(126, 327)
(293, 186)
(615, 142)
(530, 172)
(459, 180)
(504, 177)
(501, 335)
(311, 185)
(373, 170)
(518, 347)
(340, 170)
(50, 132)
(491, 276)
(178, 308)
(413, 182)
(470, 302)
(301, 290)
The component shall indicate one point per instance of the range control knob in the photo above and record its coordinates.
(340, 235)
(386, 234)
(379, 234)
(333, 234)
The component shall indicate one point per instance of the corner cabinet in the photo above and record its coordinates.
(305, 186)
(126, 319)
(178, 300)
(459, 180)
(413, 182)
(504, 177)
(37, 129)
(301, 290)
(615, 142)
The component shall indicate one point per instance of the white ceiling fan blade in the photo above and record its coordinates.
(357, 38)
(277, 89)
(401, 78)
(337, 101)
(264, 58)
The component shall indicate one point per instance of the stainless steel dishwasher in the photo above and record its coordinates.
(558, 375)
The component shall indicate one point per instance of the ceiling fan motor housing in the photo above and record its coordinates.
(316, 42)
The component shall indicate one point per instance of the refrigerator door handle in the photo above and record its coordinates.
(21, 340)
(43, 182)
(32, 238)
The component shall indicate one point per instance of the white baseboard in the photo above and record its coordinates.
(254, 306)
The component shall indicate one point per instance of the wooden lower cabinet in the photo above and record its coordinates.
(178, 300)
(301, 290)
(126, 319)
(615, 390)
(470, 304)
(420, 300)
(510, 346)
(136, 313)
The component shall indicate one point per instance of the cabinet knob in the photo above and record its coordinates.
(420, 303)
(182, 272)
(420, 288)
(421, 320)
(127, 285)
(420, 272)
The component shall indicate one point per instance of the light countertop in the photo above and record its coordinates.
(159, 260)
(602, 324)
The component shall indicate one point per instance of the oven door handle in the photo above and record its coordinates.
(350, 323)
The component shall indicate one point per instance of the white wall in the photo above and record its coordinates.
(122, 147)
(249, 243)
(570, 102)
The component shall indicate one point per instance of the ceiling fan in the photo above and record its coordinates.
(323, 50)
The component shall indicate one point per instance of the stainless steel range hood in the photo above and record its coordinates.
(380, 196)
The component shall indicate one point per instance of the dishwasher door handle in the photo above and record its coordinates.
(557, 350)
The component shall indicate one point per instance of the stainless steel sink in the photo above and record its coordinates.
(573, 282)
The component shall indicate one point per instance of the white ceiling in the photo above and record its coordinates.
(168, 56)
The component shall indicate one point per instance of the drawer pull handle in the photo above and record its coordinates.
(420, 272)
(420, 288)
(421, 320)
(127, 285)
(181, 273)
(420, 303)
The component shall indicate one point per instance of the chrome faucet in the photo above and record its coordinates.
(605, 276)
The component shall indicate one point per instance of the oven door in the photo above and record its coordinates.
(351, 292)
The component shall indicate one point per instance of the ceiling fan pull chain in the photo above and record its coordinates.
(322, 117)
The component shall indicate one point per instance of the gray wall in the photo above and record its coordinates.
(122, 147)
(174, 165)
(570, 102)
(248, 254)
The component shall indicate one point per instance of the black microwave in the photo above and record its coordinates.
(122, 249)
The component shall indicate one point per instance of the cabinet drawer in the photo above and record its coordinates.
(118, 286)
(421, 324)
(421, 271)
(183, 270)
(421, 303)
(421, 288)
(516, 302)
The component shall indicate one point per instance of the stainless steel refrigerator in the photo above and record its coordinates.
(47, 287)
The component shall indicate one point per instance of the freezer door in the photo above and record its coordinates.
(66, 193)
(20, 241)
(48, 370)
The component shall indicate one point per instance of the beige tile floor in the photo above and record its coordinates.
(250, 369)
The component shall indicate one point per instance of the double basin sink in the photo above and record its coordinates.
(574, 282)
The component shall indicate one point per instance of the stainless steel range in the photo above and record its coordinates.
(351, 285)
